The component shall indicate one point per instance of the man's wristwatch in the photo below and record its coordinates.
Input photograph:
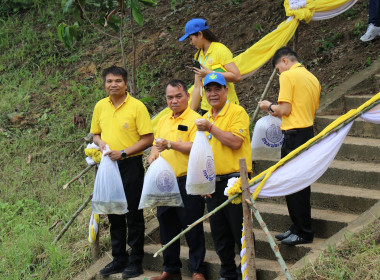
(169, 146)
(123, 154)
(270, 108)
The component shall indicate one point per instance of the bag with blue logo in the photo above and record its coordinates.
(267, 138)
(108, 196)
(201, 167)
(160, 186)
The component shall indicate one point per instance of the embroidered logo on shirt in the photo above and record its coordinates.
(125, 125)
(210, 61)
(241, 130)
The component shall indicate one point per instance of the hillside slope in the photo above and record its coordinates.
(48, 93)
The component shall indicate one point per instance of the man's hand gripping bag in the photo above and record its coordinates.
(108, 196)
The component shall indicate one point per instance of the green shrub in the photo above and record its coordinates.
(14, 6)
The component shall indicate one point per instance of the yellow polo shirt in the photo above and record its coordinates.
(301, 89)
(167, 128)
(217, 56)
(235, 119)
(123, 126)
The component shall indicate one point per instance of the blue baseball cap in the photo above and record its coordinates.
(214, 77)
(193, 26)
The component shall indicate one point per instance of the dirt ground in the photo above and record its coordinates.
(330, 49)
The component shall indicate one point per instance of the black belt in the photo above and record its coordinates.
(225, 177)
(129, 159)
(296, 130)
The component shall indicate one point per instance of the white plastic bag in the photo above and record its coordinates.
(267, 138)
(160, 186)
(201, 167)
(108, 196)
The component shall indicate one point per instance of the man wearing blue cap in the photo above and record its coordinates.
(227, 128)
(212, 56)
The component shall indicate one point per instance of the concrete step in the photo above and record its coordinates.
(266, 269)
(345, 173)
(376, 79)
(146, 276)
(359, 128)
(370, 85)
(360, 149)
(354, 101)
(352, 174)
(290, 253)
(325, 222)
(337, 198)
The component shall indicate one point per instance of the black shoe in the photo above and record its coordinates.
(283, 235)
(112, 268)
(294, 239)
(132, 271)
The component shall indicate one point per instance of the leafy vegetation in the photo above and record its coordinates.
(13, 6)
(44, 88)
(42, 149)
(329, 42)
(357, 258)
(107, 13)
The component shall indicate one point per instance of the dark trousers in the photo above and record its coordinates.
(172, 221)
(299, 203)
(374, 12)
(226, 226)
(132, 175)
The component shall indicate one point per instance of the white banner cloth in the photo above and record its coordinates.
(304, 169)
(372, 115)
(333, 13)
(310, 165)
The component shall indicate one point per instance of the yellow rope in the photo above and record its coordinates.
(236, 188)
(244, 258)
(330, 127)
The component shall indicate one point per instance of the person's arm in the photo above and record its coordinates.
(279, 110)
(226, 137)
(231, 75)
(153, 155)
(97, 139)
(183, 147)
(145, 141)
(196, 94)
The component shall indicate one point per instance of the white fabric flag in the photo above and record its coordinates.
(304, 169)
(372, 115)
(333, 13)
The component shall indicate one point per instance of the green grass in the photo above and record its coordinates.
(357, 258)
(43, 149)
(42, 90)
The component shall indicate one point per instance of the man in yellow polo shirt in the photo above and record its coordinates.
(227, 126)
(298, 101)
(123, 123)
(174, 139)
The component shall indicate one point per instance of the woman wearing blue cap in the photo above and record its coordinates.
(212, 56)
